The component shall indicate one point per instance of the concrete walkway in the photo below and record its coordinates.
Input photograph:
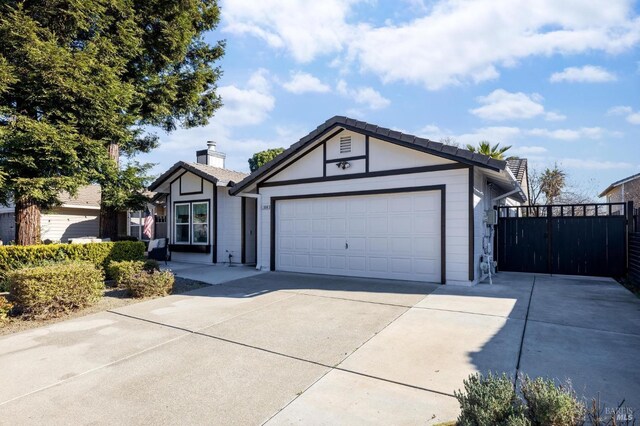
(281, 348)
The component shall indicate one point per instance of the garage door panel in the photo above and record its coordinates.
(319, 226)
(319, 244)
(402, 204)
(319, 262)
(357, 263)
(401, 224)
(338, 225)
(337, 262)
(377, 225)
(382, 236)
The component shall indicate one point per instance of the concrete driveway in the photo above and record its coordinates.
(301, 349)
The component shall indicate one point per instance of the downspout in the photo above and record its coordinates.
(258, 198)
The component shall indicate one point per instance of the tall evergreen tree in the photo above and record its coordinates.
(97, 72)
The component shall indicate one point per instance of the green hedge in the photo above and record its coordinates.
(48, 291)
(100, 254)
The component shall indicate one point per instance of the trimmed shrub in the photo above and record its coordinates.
(149, 284)
(5, 309)
(100, 254)
(124, 270)
(48, 291)
(548, 404)
(489, 400)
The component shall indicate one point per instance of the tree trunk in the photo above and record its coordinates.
(108, 223)
(109, 216)
(27, 222)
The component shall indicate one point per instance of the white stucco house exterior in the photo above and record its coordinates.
(355, 199)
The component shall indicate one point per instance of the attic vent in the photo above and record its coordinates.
(345, 144)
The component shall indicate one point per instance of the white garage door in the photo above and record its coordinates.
(394, 236)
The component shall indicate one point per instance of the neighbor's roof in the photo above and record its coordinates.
(620, 182)
(210, 173)
(436, 148)
(88, 196)
(518, 167)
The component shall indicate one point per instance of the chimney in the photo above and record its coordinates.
(210, 156)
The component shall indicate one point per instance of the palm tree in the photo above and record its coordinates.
(552, 182)
(496, 151)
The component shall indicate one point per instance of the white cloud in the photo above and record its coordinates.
(554, 116)
(367, 96)
(454, 42)
(577, 163)
(569, 134)
(495, 134)
(302, 28)
(530, 150)
(246, 106)
(302, 82)
(501, 105)
(585, 74)
(468, 41)
(631, 116)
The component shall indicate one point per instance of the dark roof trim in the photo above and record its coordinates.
(616, 183)
(186, 166)
(409, 141)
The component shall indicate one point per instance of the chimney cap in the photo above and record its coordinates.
(211, 144)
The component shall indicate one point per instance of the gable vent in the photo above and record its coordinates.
(345, 144)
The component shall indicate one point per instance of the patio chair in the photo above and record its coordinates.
(157, 250)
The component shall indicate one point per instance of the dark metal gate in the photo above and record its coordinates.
(580, 239)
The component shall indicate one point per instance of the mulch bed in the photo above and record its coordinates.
(113, 298)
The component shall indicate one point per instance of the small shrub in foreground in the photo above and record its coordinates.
(47, 291)
(151, 265)
(5, 309)
(489, 400)
(149, 284)
(551, 404)
(124, 270)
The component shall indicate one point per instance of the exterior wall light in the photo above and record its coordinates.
(343, 165)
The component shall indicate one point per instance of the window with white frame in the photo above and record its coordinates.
(136, 225)
(191, 221)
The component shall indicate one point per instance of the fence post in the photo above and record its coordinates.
(630, 218)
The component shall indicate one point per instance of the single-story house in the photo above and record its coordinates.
(77, 216)
(204, 223)
(355, 199)
(624, 190)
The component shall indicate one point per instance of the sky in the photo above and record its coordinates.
(558, 80)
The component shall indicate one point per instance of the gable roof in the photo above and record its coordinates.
(88, 196)
(619, 182)
(518, 167)
(410, 141)
(206, 172)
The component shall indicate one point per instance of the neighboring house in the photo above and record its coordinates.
(624, 190)
(520, 169)
(77, 216)
(355, 199)
(204, 223)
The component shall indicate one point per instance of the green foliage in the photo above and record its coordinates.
(263, 157)
(150, 283)
(48, 291)
(99, 254)
(489, 400)
(485, 148)
(548, 404)
(5, 309)
(79, 78)
(492, 400)
(552, 182)
(123, 270)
